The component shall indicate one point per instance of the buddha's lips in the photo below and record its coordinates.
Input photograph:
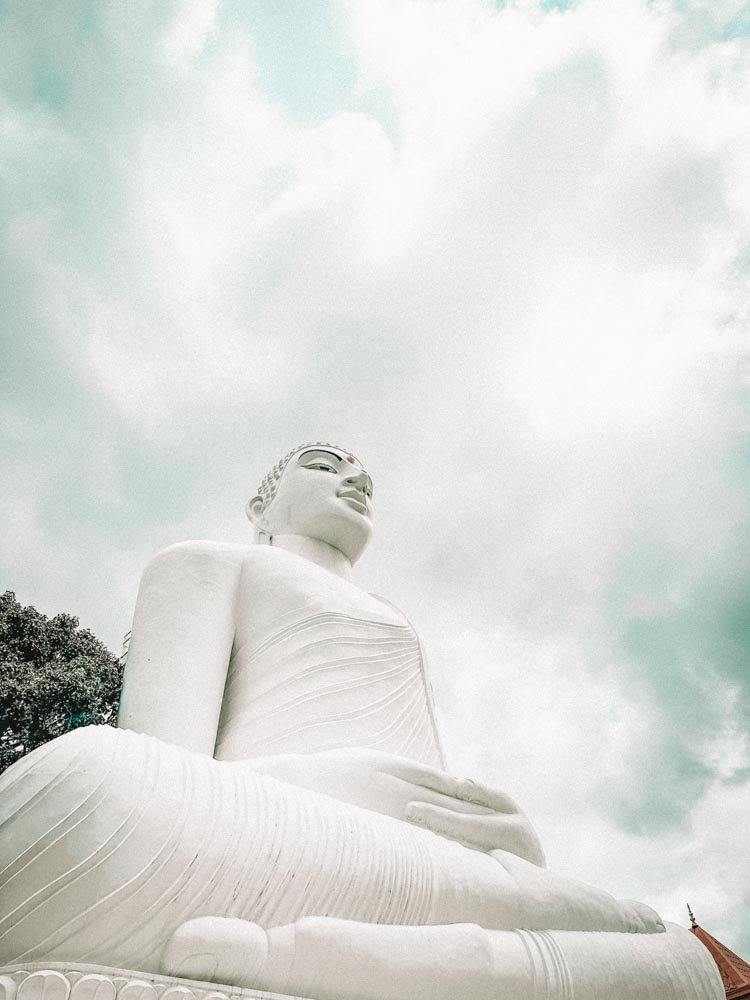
(356, 500)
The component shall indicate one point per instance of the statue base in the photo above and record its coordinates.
(74, 981)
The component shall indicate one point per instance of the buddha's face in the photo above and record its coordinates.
(323, 494)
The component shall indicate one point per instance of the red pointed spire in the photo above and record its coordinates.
(735, 972)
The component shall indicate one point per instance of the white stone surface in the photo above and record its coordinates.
(285, 787)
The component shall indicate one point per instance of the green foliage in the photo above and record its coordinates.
(54, 676)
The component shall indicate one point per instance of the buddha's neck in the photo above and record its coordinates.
(321, 553)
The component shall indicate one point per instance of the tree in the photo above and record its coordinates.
(54, 676)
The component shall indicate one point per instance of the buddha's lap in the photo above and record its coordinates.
(110, 840)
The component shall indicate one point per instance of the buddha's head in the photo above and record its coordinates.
(318, 491)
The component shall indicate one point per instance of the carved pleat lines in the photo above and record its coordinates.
(327, 681)
(125, 837)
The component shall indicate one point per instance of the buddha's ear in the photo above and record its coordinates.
(254, 511)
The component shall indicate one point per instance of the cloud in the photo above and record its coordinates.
(501, 251)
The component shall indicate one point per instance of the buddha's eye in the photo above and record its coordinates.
(321, 468)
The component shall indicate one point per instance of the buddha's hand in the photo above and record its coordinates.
(463, 810)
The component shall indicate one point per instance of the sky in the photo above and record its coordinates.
(501, 251)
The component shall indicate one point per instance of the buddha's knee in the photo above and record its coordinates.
(85, 750)
(45, 788)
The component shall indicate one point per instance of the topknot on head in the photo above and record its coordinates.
(270, 482)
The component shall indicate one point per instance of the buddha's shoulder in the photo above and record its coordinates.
(198, 558)
(229, 557)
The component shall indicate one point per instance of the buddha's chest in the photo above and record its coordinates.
(277, 583)
(317, 665)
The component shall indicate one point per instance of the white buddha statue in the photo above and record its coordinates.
(275, 811)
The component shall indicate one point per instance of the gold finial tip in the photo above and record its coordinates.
(693, 922)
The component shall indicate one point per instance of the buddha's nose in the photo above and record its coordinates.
(357, 480)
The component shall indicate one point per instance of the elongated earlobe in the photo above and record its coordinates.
(254, 512)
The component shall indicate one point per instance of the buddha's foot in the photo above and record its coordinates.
(330, 959)
(220, 950)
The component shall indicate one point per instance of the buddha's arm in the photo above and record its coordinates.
(180, 644)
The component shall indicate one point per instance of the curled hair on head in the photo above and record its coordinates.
(270, 482)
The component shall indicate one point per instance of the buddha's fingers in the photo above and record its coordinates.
(415, 773)
(451, 803)
(479, 832)
(464, 789)
(483, 795)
